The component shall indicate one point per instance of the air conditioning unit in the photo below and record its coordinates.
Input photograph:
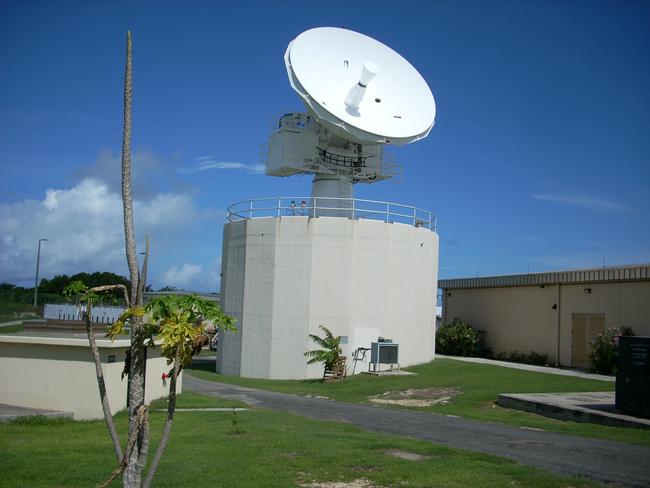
(383, 353)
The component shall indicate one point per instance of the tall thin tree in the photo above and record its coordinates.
(132, 475)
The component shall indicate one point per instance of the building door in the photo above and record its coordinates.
(584, 328)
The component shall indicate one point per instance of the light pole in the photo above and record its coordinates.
(38, 262)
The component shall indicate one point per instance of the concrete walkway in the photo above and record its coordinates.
(13, 322)
(605, 461)
(530, 367)
(594, 407)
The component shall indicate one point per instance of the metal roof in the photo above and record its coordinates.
(640, 272)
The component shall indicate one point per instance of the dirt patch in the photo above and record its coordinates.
(424, 397)
(409, 456)
(367, 469)
(360, 483)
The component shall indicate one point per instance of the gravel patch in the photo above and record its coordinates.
(424, 397)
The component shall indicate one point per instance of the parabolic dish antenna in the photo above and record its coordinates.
(359, 86)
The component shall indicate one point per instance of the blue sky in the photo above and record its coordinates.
(539, 159)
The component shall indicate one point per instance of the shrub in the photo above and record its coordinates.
(604, 353)
(458, 338)
(521, 357)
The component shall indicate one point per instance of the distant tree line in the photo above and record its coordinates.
(52, 290)
(98, 278)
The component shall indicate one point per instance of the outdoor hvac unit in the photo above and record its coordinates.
(383, 353)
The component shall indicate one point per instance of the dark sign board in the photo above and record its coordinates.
(633, 377)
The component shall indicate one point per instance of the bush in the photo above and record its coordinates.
(458, 338)
(604, 354)
(521, 357)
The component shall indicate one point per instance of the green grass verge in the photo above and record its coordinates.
(194, 400)
(10, 310)
(10, 329)
(253, 448)
(480, 385)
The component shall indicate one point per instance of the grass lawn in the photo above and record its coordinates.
(479, 385)
(256, 448)
(10, 310)
(10, 329)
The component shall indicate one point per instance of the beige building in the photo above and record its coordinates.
(556, 313)
(57, 372)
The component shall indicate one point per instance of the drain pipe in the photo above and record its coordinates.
(559, 320)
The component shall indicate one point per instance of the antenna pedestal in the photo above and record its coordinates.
(336, 193)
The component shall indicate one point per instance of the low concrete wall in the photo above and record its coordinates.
(59, 373)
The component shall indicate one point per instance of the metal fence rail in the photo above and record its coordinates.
(352, 208)
(101, 315)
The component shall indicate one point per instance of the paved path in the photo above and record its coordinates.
(9, 324)
(605, 461)
(530, 367)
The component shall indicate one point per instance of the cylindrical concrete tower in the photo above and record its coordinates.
(362, 279)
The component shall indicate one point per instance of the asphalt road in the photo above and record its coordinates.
(605, 461)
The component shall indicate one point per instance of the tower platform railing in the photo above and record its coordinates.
(351, 208)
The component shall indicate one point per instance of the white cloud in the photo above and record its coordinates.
(84, 228)
(150, 173)
(194, 277)
(205, 163)
(183, 277)
(582, 202)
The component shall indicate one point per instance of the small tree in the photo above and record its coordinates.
(330, 352)
(169, 321)
(176, 324)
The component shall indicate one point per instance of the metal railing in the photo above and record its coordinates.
(352, 208)
(101, 315)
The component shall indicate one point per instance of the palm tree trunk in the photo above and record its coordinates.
(132, 476)
(127, 195)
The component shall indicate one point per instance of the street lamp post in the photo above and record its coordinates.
(38, 262)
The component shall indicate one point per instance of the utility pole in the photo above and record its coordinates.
(38, 262)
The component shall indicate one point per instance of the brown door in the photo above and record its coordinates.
(584, 328)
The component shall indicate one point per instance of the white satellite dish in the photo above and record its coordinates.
(328, 67)
(360, 95)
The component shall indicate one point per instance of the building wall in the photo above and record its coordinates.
(515, 319)
(522, 318)
(360, 278)
(59, 374)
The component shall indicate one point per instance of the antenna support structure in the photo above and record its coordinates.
(359, 95)
(367, 269)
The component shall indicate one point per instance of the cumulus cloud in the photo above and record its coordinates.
(194, 277)
(150, 173)
(205, 163)
(582, 202)
(84, 228)
(184, 276)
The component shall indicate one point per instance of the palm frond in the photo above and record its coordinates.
(331, 348)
